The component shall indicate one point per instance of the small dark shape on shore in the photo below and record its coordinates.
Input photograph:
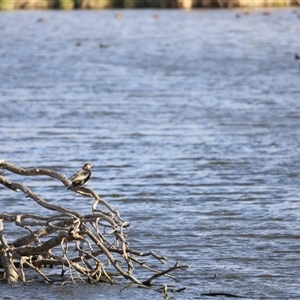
(237, 15)
(266, 13)
(102, 45)
(297, 56)
(40, 20)
(156, 16)
(82, 176)
(78, 44)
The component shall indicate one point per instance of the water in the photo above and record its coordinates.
(192, 122)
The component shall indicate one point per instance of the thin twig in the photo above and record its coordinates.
(175, 267)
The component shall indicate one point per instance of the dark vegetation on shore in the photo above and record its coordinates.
(102, 4)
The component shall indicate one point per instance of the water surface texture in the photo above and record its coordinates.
(192, 122)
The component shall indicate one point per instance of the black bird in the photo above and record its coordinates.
(82, 176)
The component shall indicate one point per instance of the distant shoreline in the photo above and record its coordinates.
(104, 4)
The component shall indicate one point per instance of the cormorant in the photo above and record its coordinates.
(82, 176)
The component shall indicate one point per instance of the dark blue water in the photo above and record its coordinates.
(192, 121)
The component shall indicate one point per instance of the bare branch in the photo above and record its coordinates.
(34, 172)
(176, 266)
(28, 193)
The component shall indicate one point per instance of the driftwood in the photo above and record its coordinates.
(83, 246)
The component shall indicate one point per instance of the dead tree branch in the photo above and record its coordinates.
(85, 244)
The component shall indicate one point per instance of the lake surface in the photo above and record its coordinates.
(192, 122)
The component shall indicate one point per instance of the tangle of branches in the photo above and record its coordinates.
(88, 247)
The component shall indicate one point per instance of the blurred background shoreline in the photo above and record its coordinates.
(105, 4)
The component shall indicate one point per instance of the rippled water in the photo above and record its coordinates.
(192, 121)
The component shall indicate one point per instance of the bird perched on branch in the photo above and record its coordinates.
(82, 176)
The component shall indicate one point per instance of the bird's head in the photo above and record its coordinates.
(87, 166)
